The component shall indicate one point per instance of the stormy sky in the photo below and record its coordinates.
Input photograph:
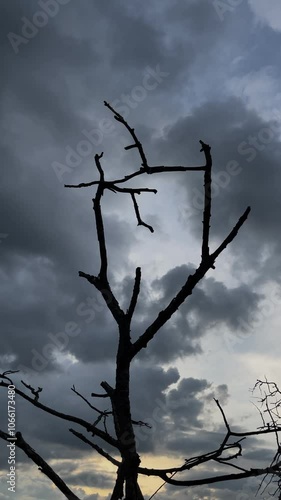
(179, 71)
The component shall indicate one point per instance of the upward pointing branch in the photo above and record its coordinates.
(136, 144)
(207, 200)
(99, 219)
(186, 290)
(135, 294)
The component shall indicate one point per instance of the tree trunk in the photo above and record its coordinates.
(127, 474)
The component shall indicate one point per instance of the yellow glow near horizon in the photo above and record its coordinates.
(147, 484)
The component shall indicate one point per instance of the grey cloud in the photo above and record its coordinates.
(238, 135)
(52, 90)
(89, 479)
(211, 304)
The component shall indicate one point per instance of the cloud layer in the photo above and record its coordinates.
(180, 72)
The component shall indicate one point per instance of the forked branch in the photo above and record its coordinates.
(218, 455)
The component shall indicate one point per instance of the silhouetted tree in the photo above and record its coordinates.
(124, 442)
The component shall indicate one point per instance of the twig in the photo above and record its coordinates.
(161, 486)
(157, 169)
(33, 391)
(95, 395)
(77, 420)
(140, 221)
(132, 190)
(223, 415)
(141, 423)
(135, 294)
(102, 413)
(96, 447)
(8, 372)
(137, 144)
(231, 235)
(104, 288)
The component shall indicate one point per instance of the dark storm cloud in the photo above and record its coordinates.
(58, 52)
(49, 435)
(211, 304)
(246, 170)
(36, 79)
(29, 282)
(51, 96)
(174, 413)
(168, 414)
(85, 328)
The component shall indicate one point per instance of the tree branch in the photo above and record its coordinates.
(96, 447)
(136, 144)
(8, 372)
(99, 220)
(110, 299)
(87, 425)
(135, 294)
(171, 308)
(274, 468)
(102, 413)
(231, 235)
(95, 395)
(226, 477)
(207, 200)
(42, 465)
(140, 221)
(32, 390)
(186, 290)
(132, 190)
(157, 169)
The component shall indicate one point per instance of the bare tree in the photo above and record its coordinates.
(123, 442)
